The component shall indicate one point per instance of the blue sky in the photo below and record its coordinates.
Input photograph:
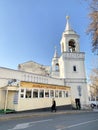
(30, 29)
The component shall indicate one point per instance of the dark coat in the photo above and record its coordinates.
(53, 106)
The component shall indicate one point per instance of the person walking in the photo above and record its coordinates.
(53, 108)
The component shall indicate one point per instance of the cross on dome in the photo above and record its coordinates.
(68, 27)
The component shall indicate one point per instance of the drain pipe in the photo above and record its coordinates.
(6, 97)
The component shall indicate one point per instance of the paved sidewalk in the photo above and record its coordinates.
(33, 114)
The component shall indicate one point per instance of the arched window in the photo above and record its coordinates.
(71, 46)
(57, 67)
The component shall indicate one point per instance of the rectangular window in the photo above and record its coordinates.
(56, 93)
(67, 94)
(28, 93)
(41, 93)
(46, 93)
(51, 93)
(35, 93)
(63, 94)
(22, 90)
(74, 68)
(22, 95)
(60, 93)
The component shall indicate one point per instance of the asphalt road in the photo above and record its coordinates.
(75, 121)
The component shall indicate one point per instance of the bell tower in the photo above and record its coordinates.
(55, 65)
(71, 60)
(70, 39)
(72, 64)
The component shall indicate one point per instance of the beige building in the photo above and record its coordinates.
(22, 91)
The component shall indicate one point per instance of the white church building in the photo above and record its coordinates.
(33, 86)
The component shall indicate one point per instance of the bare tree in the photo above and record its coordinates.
(93, 26)
(94, 82)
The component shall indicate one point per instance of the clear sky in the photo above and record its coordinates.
(30, 29)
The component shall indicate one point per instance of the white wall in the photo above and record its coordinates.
(75, 94)
(7, 74)
(40, 103)
(67, 61)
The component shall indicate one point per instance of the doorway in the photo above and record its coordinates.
(78, 104)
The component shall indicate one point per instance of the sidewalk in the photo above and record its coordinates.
(33, 114)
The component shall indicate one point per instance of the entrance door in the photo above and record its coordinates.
(78, 105)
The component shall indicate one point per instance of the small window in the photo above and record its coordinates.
(56, 93)
(28, 93)
(41, 93)
(74, 68)
(35, 93)
(51, 93)
(60, 93)
(22, 90)
(22, 95)
(57, 67)
(63, 94)
(46, 93)
(67, 94)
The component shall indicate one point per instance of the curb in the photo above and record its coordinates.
(27, 115)
(95, 110)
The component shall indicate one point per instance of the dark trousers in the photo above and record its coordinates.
(53, 108)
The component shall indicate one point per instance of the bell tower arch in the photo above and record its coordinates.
(70, 39)
(71, 45)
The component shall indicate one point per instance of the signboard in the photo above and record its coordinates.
(15, 99)
(45, 86)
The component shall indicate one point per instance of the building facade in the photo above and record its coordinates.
(21, 91)
(70, 65)
(36, 85)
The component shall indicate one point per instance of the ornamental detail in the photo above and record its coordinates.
(75, 81)
(74, 55)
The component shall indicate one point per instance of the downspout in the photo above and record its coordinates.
(6, 96)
